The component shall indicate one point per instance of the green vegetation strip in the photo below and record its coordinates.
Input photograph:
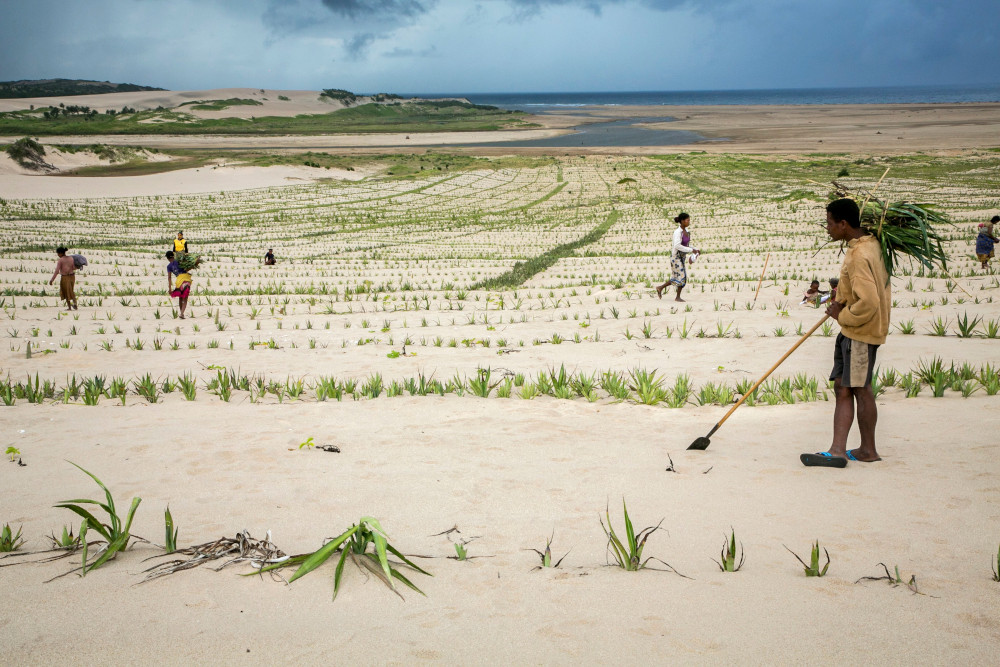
(638, 385)
(523, 271)
(556, 190)
(368, 118)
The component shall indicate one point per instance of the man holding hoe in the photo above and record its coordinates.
(862, 309)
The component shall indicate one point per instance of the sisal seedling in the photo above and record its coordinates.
(65, 541)
(813, 569)
(967, 327)
(9, 541)
(727, 562)
(546, 556)
(354, 543)
(116, 533)
(170, 539)
(628, 554)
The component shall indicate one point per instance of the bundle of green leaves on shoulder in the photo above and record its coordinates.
(903, 229)
(188, 261)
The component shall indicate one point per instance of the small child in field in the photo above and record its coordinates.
(813, 294)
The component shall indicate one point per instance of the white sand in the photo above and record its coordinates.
(512, 472)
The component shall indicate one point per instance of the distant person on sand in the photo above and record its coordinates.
(181, 287)
(65, 267)
(813, 294)
(862, 308)
(269, 258)
(180, 243)
(832, 294)
(681, 249)
(985, 241)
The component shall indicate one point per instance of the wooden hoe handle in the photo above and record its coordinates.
(768, 373)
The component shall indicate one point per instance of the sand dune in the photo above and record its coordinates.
(365, 266)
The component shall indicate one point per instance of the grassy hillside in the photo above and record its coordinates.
(63, 87)
(367, 118)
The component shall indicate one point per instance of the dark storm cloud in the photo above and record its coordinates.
(363, 8)
(595, 44)
(357, 46)
(528, 8)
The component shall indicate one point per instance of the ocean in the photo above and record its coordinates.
(540, 102)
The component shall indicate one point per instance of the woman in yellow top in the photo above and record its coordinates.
(180, 243)
(181, 287)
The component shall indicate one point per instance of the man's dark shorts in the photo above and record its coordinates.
(853, 362)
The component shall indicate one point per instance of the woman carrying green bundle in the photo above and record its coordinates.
(179, 287)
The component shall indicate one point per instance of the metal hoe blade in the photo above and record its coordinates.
(700, 443)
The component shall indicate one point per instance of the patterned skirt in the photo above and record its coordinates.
(678, 275)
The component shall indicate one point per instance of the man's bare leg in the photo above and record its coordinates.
(867, 419)
(679, 288)
(843, 418)
(660, 288)
(182, 305)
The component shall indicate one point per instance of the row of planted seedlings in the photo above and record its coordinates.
(967, 328)
(638, 385)
(713, 222)
(364, 542)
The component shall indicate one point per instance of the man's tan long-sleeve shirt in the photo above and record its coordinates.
(865, 292)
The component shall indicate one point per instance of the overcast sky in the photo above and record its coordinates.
(412, 46)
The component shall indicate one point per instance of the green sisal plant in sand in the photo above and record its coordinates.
(115, 532)
(171, 532)
(727, 562)
(813, 569)
(354, 544)
(546, 556)
(9, 541)
(628, 553)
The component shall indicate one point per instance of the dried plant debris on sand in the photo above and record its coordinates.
(243, 548)
(896, 580)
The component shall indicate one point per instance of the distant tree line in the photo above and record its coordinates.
(345, 96)
(80, 110)
(65, 87)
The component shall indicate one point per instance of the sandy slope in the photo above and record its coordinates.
(299, 101)
(513, 472)
(183, 181)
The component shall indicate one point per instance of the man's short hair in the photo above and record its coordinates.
(61, 250)
(834, 281)
(846, 210)
(170, 254)
(995, 218)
